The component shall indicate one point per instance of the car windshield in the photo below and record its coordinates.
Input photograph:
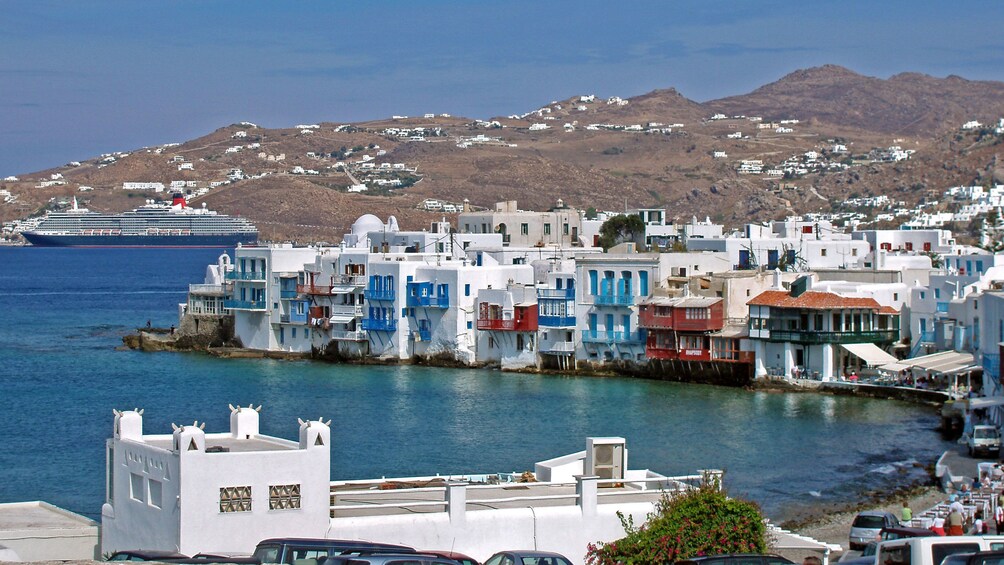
(871, 522)
(870, 549)
(986, 433)
(267, 553)
(545, 561)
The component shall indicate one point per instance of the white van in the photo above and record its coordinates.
(931, 550)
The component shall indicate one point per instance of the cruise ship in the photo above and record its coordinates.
(152, 225)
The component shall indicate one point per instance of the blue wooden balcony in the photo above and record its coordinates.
(556, 321)
(428, 301)
(613, 299)
(379, 325)
(625, 338)
(233, 304)
(556, 293)
(246, 276)
(387, 294)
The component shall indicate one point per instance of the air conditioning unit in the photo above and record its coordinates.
(606, 457)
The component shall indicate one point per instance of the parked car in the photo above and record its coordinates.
(978, 558)
(901, 532)
(933, 550)
(288, 550)
(867, 556)
(517, 557)
(736, 559)
(385, 558)
(867, 526)
(145, 555)
(985, 440)
(456, 556)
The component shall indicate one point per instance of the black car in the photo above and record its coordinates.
(145, 555)
(518, 557)
(737, 559)
(978, 558)
(311, 551)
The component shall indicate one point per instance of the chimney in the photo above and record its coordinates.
(776, 285)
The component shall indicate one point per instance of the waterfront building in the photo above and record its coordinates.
(206, 301)
(268, 313)
(507, 326)
(333, 287)
(607, 295)
(556, 317)
(191, 491)
(803, 331)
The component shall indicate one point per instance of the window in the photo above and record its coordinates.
(136, 487)
(854, 252)
(235, 499)
(524, 229)
(470, 324)
(156, 493)
(822, 252)
(564, 229)
(593, 277)
(547, 229)
(283, 497)
(467, 290)
(895, 296)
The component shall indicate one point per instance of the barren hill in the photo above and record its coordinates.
(656, 149)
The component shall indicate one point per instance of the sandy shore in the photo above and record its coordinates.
(835, 527)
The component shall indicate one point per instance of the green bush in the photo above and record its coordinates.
(700, 522)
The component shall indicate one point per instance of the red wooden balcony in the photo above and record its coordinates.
(524, 320)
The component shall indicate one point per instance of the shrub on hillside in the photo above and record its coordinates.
(700, 522)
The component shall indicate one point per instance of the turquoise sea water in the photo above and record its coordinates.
(63, 313)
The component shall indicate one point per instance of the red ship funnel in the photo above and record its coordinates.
(179, 199)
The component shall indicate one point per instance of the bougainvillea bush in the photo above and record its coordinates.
(703, 521)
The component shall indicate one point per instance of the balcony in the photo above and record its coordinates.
(556, 321)
(626, 338)
(286, 294)
(942, 307)
(253, 305)
(661, 352)
(613, 299)
(428, 301)
(206, 289)
(422, 334)
(522, 325)
(355, 311)
(387, 294)
(813, 337)
(379, 325)
(340, 284)
(556, 293)
(246, 276)
(354, 335)
(560, 348)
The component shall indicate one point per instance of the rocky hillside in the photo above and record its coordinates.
(656, 149)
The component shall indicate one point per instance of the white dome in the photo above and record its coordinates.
(365, 224)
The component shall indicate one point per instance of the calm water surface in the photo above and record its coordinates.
(64, 312)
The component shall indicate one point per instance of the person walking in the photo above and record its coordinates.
(999, 519)
(954, 523)
(906, 514)
(979, 526)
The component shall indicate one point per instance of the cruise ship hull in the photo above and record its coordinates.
(66, 240)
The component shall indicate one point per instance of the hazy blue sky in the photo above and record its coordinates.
(80, 78)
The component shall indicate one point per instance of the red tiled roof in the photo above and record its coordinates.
(888, 310)
(812, 300)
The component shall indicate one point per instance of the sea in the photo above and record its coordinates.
(63, 313)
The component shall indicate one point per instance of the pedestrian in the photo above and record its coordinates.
(999, 519)
(906, 514)
(148, 324)
(979, 526)
(955, 523)
(955, 504)
(172, 330)
(938, 526)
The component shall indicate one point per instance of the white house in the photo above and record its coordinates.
(192, 491)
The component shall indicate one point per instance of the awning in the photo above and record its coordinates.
(944, 362)
(985, 402)
(870, 353)
(341, 318)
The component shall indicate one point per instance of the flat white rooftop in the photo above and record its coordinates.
(229, 444)
(38, 515)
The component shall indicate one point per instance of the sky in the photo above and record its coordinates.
(81, 78)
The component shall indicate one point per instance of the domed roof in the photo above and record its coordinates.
(365, 224)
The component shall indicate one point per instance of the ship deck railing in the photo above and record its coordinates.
(468, 493)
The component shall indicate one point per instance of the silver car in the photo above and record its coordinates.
(867, 526)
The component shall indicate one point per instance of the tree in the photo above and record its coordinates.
(590, 213)
(620, 229)
(703, 521)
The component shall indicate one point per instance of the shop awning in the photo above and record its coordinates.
(341, 318)
(944, 362)
(870, 353)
